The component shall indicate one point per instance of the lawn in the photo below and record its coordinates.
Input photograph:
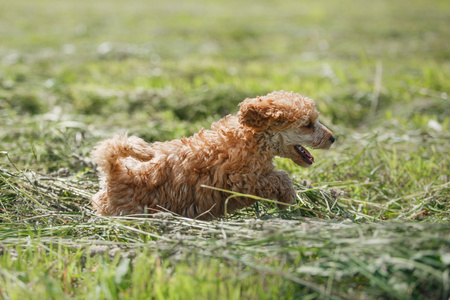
(372, 218)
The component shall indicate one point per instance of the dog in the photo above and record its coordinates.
(235, 155)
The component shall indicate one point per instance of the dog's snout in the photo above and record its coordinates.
(332, 139)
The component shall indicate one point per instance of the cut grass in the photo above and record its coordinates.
(372, 215)
(162, 256)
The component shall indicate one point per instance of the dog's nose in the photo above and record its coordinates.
(332, 139)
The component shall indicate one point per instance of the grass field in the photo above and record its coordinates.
(372, 217)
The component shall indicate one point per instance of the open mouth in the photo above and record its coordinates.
(307, 157)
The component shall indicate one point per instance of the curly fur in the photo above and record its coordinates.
(236, 155)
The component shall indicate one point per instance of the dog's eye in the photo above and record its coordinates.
(309, 125)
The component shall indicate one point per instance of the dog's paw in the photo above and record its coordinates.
(289, 197)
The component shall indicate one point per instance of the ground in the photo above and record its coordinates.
(372, 218)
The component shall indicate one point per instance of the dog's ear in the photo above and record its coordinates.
(276, 110)
(258, 113)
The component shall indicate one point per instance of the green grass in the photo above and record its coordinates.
(372, 216)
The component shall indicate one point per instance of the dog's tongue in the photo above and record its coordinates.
(304, 153)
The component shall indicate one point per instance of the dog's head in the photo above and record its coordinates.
(291, 122)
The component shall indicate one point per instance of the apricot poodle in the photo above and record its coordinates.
(235, 155)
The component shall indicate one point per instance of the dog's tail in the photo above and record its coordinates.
(107, 152)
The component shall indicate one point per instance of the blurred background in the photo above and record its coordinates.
(163, 69)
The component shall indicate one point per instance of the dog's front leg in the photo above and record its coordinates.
(277, 185)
